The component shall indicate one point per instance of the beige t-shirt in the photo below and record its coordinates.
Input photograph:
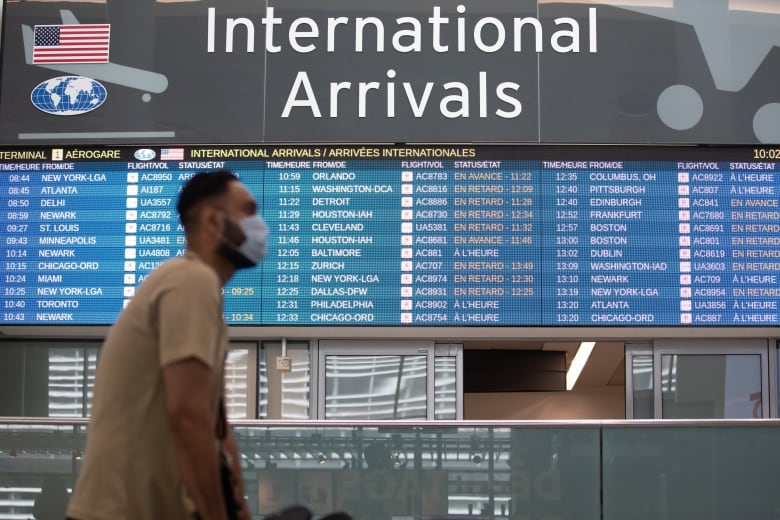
(129, 471)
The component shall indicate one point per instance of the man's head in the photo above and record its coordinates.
(202, 188)
(219, 215)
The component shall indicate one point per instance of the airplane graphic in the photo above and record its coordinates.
(734, 42)
(144, 80)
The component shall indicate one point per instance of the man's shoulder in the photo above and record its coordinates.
(188, 267)
(181, 275)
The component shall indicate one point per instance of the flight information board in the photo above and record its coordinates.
(410, 235)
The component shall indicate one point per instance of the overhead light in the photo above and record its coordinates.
(322, 459)
(578, 363)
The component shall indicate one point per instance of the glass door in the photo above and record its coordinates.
(711, 379)
(388, 380)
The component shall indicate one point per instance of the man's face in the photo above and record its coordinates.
(238, 204)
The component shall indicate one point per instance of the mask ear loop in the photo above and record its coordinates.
(223, 236)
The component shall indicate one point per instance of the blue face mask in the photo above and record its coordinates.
(252, 250)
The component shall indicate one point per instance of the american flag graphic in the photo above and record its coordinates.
(172, 154)
(79, 43)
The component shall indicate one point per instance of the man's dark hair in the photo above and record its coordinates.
(202, 186)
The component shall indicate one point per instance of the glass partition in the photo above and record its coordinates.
(709, 472)
(654, 470)
(38, 465)
(425, 472)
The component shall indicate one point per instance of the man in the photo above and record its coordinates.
(152, 448)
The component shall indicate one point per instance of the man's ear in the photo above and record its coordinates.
(211, 218)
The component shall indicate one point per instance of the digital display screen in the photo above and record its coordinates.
(410, 235)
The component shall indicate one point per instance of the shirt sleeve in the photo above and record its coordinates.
(190, 318)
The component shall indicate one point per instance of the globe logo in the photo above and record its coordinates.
(145, 154)
(68, 95)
